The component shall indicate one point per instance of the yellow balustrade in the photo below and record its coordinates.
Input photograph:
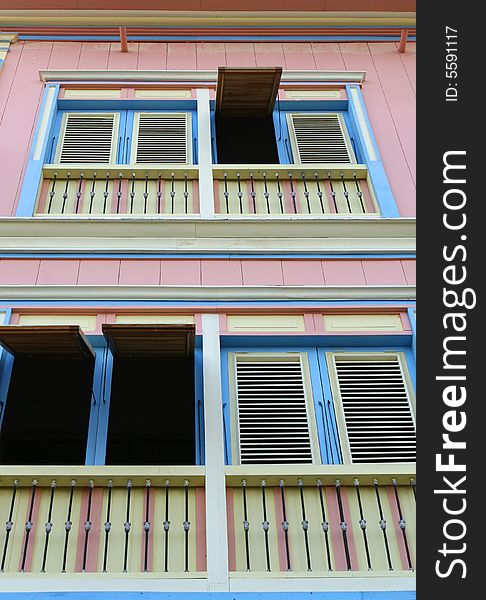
(99, 189)
(321, 521)
(316, 190)
(103, 519)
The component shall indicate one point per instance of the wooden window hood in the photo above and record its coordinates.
(150, 341)
(54, 341)
(248, 92)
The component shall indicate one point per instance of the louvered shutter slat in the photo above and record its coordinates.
(87, 138)
(162, 138)
(320, 139)
(272, 412)
(377, 411)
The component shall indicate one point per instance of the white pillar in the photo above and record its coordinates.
(204, 154)
(216, 526)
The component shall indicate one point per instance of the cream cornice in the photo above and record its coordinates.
(153, 18)
(184, 235)
(182, 76)
(77, 293)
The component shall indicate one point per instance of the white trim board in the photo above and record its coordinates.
(211, 293)
(188, 76)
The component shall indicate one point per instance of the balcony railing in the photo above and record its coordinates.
(113, 190)
(298, 520)
(317, 190)
(320, 522)
(72, 522)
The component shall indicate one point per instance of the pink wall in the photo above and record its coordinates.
(290, 272)
(389, 91)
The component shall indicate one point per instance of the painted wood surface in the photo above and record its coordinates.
(27, 271)
(389, 91)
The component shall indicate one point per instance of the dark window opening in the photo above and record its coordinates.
(152, 412)
(246, 140)
(47, 411)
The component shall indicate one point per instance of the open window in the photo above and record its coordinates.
(152, 401)
(47, 409)
(245, 100)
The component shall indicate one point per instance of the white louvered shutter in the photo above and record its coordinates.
(88, 138)
(319, 138)
(272, 411)
(376, 409)
(162, 138)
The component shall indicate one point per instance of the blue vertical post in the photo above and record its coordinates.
(40, 145)
(369, 148)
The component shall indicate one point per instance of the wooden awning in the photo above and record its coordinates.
(50, 341)
(249, 92)
(150, 341)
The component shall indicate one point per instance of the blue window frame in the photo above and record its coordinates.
(325, 402)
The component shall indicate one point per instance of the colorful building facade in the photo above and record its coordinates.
(207, 300)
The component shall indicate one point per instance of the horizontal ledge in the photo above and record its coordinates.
(140, 171)
(328, 474)
(334, 170)
(100, 476)
(210, 76)
(214, 293)
(171, 18)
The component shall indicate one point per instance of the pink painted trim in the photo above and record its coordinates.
(405, 322)
(32, 535)
(223, 323)
(230, 516)
(201, 564)
(351, 541)
(217, 199)
(42, 199)
(150, 549)
(282, 554)
(14, 318)
(309, 323)
(368, 202)
(94, 534)
(198, 323)
(196, 206)
(335, 529)
(318, 323)
(396, 526)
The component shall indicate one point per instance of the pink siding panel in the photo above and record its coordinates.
(18, 121)
(384, 272)
(327, 56)
(65, 55)
(152, 56)
(181, 55)
(139, 272)
(409, 61)
(343, 272)
(123, 60)
(18, 271)
(210, 55)
(181, 272)
(221, 272)
(94, 55)
(8, 74)
(358, 57)
(269, 54)
(298, 56)
(409, 268)
(239, 54)
(399, 95)
(262, 272)
(58, 272)
(98, 272)
(302, 272)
